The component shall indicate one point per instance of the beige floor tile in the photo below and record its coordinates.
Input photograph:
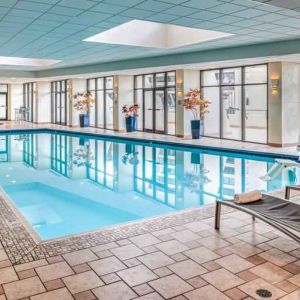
(137, 275)
(82, 282)
(31, 265)
(3, 255)
(295, 280)
(293, 296)
(213, 242)
(145, 240)
(284, 244)
(170, 286)
(207, 292)
(8, 275)
(171, 247)
(251, 287)
(197, 226)
(115, 291)
(156, 260)
(107, 265)
(185, 236)
(60, 294)
(152, 296)
(244, 250)
(187, 269)
(126, 252)
(270, 272)
(222, 279)
(277, 257)
(201, 255)
(54, 271)
(234, 263)
(252, 238)
(143, 289)
(103, 247)
(80, 257)
(23, 288)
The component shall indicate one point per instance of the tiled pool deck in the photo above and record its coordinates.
(179, 256)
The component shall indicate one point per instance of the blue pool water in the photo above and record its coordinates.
(66, 184)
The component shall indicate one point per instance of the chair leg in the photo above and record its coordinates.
(287, 193)
(218, 215)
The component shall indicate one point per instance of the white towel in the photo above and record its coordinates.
(248, 197)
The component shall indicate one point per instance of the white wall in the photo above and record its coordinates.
(290, 103)
(44, 102)
(16, 98)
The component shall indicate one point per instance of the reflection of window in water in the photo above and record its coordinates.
(155, 175)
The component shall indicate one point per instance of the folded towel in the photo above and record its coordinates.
(248, 197)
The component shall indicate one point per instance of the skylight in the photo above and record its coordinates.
(155, 35)
(22, 61)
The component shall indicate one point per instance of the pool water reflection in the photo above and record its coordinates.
(67, 184)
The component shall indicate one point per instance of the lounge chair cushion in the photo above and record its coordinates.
(276, 209)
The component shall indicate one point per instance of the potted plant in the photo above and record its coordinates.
(83, 103)
(130, 112)
(199, 107)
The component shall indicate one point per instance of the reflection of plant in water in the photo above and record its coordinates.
(196, 178)
(131, 158)
(83, 156)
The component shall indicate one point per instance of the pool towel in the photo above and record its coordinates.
(248, 197)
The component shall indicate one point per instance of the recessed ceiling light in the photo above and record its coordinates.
(22, 61)
(155, 35)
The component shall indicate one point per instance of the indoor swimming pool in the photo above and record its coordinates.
(64, 184)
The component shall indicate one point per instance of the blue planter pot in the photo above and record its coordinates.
(130, 124)
(84, 120)
(197, 128)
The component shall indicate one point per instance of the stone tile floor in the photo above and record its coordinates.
(175, 257)
(187, 261)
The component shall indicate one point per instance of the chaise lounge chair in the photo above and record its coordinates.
(277, 212)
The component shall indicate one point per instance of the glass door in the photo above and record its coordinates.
(159, 111)
(256, 107)
(232, 112)
(148, 111)
(3, 106)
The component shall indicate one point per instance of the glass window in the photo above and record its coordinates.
(256, 120)
(171, 105)
(100, 83)
(109, 106)
(231, 76)
(139, 101)
(210, 78)
(139, 82)
(212, 119)
(109, 83)
(91, 84)
(256, 74)
(171, 78)
(232, 112)
(3, 88)
(148, 81)
(160, 80)
(100, 109)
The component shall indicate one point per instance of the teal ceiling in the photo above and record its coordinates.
(54, 29)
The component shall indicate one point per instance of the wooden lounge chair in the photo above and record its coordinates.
(277, 212)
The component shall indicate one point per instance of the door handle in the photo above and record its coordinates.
(149, 108)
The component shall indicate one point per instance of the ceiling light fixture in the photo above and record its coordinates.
(22, 61)
(155, 35)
